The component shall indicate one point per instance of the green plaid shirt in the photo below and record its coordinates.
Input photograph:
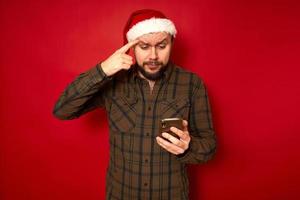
(138, 167)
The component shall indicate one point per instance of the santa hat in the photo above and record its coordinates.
(147, 21)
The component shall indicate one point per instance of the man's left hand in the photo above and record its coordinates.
(174, 145)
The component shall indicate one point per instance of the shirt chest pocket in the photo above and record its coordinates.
(178, 107)
(122, 114)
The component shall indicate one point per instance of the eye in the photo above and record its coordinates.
(144, 46)
(162, 46)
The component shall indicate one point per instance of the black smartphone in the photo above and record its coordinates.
(167, 123)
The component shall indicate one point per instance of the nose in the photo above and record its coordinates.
(153, 53)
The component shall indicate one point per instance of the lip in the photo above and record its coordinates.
(153, 67)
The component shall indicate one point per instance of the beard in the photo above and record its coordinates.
(152, 76)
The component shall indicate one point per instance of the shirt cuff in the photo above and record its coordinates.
(97, 74)
(100, 71)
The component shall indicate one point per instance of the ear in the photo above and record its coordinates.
(172, 41)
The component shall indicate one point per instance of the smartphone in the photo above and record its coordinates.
(167, 123)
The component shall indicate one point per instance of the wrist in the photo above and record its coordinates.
(101, 71)
(102, 68)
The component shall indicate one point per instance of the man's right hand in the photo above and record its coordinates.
(118, 60)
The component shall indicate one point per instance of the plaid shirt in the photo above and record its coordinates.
(138, 167)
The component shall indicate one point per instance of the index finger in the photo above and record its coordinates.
(127, 46)
(183, 135)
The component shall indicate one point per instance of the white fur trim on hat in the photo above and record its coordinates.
(152, 25)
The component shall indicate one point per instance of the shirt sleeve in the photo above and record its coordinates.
(202, 146)
(84, 94)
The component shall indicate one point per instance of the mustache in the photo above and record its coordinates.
(154, 62)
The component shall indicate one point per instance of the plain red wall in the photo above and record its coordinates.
(247, 52)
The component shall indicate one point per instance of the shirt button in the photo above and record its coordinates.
(147, 134)
(149, 108)
(145, 184)
(146, 160)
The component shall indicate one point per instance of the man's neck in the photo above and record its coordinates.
(151, 82)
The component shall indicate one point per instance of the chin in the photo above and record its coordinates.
(153, 71)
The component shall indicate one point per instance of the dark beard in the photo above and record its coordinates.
(152, 76)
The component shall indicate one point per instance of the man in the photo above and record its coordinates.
(145, 164)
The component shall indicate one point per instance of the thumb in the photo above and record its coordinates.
(185, 125)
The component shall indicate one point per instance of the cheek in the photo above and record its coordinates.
(164, 55)
(140, 57)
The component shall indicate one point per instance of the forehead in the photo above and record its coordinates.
(154, 38)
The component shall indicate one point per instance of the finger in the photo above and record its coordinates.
(128, 62)
(184, 135)
(127, 46)
(127, 57)
(123, 60)
(172, 139)
(177, 131)
(182, 144)
(121, 57)
(185, 125)
(126, 66)
(161, 143)
(169, 146)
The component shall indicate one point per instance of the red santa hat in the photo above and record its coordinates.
(147, 21)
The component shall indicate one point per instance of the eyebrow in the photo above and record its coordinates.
(163, 40)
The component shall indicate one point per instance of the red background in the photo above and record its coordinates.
(247, 52)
